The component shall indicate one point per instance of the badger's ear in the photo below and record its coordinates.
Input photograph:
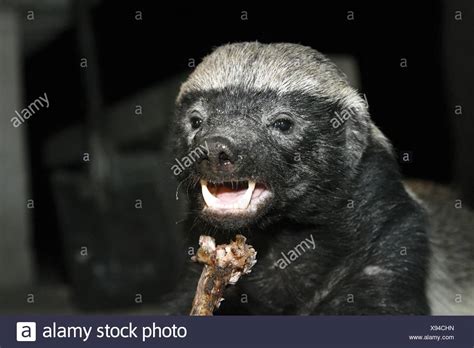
(360, 130)
(357, 128)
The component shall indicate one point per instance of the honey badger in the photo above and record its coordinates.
(324, 205)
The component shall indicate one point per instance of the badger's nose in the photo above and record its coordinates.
(221, 155)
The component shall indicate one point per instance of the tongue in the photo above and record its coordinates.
(228, 196)
(225, 197)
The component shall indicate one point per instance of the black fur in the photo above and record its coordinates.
(338, 185)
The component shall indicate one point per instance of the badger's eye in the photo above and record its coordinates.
(196, 122)
(283, 124)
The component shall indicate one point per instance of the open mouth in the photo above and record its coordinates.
(234, 197)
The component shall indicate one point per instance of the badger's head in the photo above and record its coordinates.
(267, 131)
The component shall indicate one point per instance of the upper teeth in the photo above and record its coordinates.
(214, 202)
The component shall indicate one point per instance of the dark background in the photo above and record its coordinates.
(413, 106)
